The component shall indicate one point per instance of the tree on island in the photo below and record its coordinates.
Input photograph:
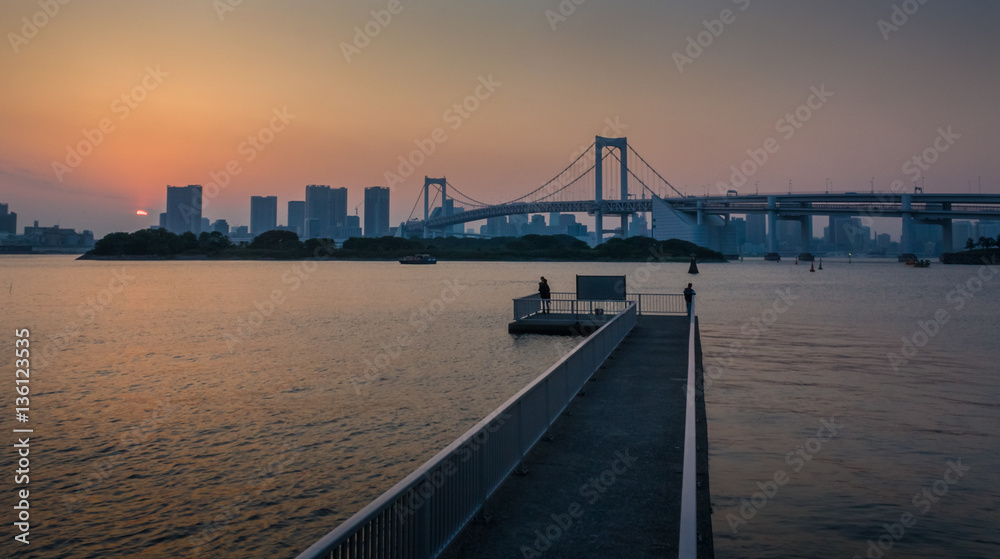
(287, 241)
(970, 244)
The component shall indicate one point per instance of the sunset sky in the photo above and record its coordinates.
(179, 86)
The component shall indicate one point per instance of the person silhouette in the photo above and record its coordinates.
(545, 293)
(689, 297)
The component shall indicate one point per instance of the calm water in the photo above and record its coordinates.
(211, 409)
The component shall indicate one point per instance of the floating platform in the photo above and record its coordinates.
(559, 324)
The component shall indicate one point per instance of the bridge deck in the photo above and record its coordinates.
(608, 484)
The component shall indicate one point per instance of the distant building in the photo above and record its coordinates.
(376, 211)
(756, 229)
(221, 226)
(184, 209)
(961, 232)
(263, 214)
(8, 221)
(537, 225)
(326, 210)
(297, 217)
(351, 228)
(163, 220)
(57, 237)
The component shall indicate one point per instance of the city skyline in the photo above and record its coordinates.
(496, 96)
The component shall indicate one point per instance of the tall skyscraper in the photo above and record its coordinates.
(263, 214)
(376, 211)
(297, 217)
(756, 229)
(326, 211)
(8, 220)
(220, 226)
(184, 209)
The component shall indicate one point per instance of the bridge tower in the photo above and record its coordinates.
(428, 182)
(600, 143)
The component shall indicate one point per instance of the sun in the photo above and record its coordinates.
(141, 212)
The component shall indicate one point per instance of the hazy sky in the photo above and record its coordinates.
(180, 85)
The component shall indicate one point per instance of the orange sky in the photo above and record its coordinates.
(199, 81)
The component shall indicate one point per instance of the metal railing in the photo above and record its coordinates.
(564, 302)
(687, 547)
(422, 514)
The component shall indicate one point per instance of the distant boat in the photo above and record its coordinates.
(806, 256)
(907, 256)
(418, 259)
(914, 263)
(774, 256)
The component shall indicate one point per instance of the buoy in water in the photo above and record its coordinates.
(693, 268)
(820, 263)
(812, 267)
(796, 260)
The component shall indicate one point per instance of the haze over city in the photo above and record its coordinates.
(106, 103)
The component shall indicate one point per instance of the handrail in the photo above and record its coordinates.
(422, 514)
(566, 302)
(688, 545)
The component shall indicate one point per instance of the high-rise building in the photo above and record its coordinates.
(8, 221)
(184, 209)
(263, 214)
(351, 228)
(376, 211)
(163, 220)
(328, 207)
(756, 229)
(220, 226)
(297, 217)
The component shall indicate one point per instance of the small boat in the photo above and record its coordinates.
(773, 256)
(919, 263)
(418, 259)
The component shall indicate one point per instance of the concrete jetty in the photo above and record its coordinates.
(606, 481)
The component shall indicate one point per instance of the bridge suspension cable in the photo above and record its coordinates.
(634, 176)
(466, 197)
(665, 181)
(553, 179)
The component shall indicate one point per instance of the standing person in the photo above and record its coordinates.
(689, 297)
(545, 293)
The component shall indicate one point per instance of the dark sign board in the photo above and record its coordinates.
(604, 288)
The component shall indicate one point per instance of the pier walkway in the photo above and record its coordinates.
(606, 481)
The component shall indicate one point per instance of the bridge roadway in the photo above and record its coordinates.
(608, 481)
(875, 204)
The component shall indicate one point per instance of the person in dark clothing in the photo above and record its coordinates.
(689, 297)
(545, 293)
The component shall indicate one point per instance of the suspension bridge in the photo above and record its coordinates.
(592, 184)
